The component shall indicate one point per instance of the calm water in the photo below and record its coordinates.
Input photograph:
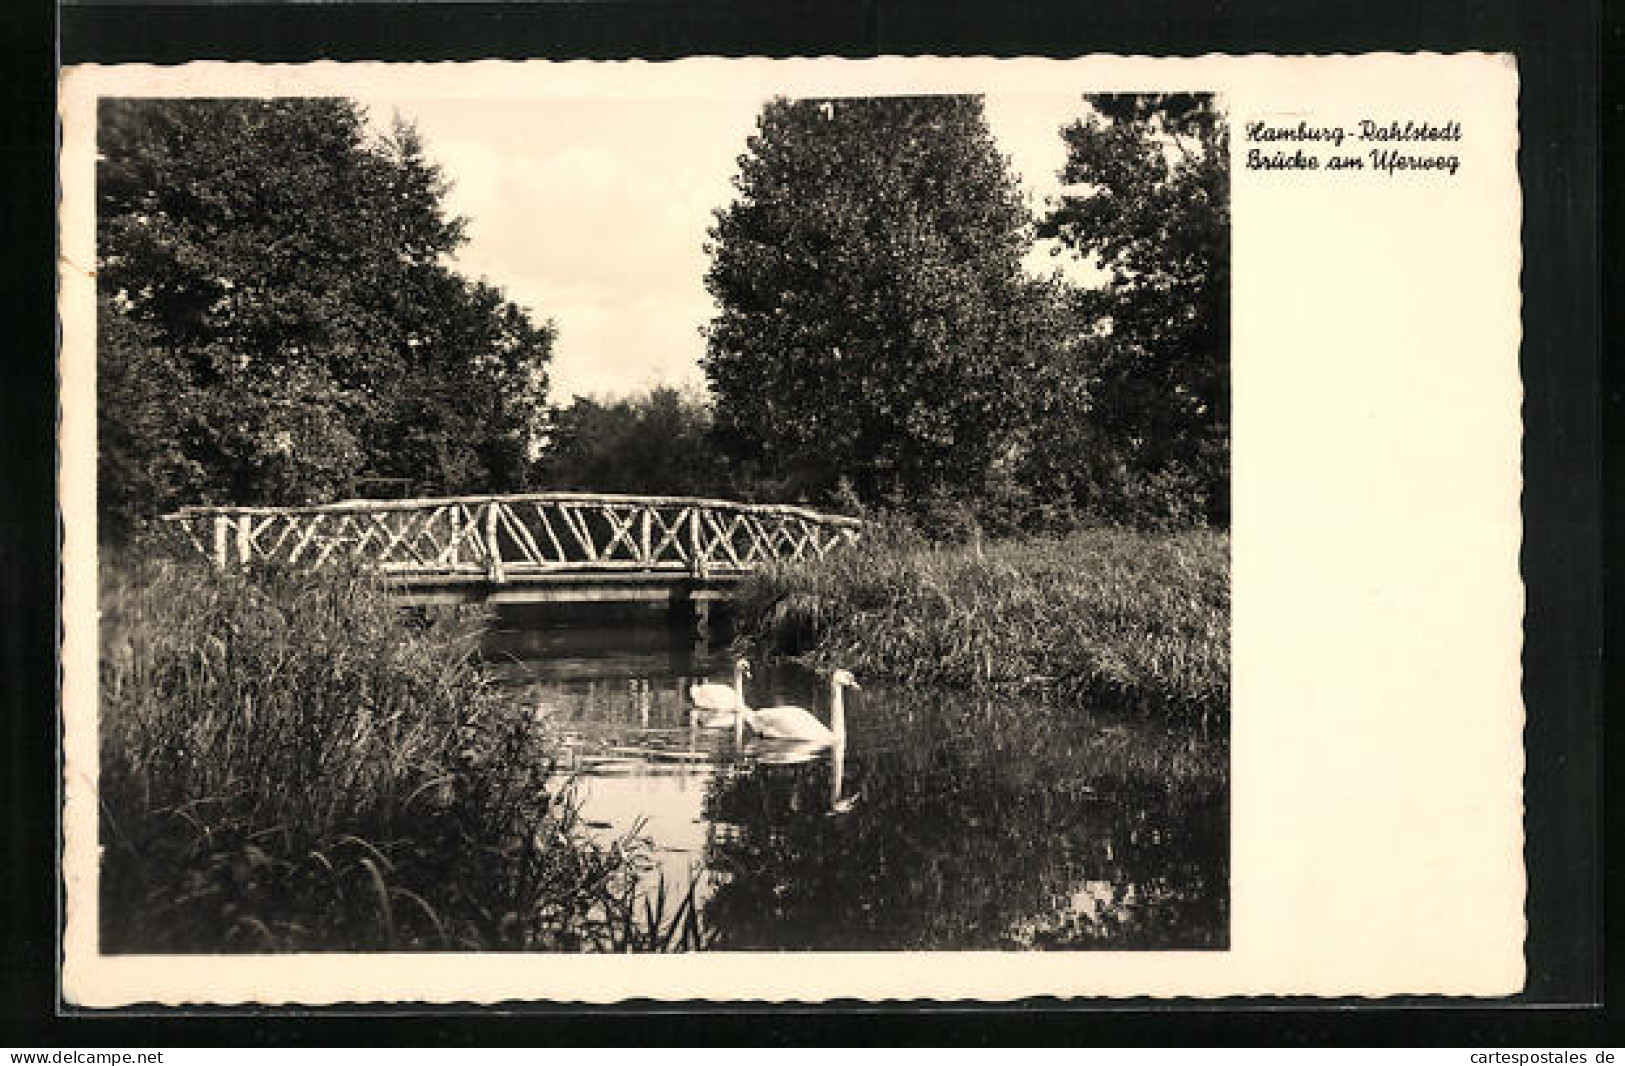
(948, 822)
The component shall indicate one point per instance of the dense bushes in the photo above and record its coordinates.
(1132, 620)
(292, 763)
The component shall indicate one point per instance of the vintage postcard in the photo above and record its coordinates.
(785, 530)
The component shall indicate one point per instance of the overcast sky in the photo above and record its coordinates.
(594, 213)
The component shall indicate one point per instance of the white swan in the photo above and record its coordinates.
(723, 702)
(796, 723)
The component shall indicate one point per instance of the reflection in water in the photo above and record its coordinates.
(944, 822)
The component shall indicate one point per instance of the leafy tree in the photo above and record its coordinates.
(658, 443)
(1152, 209)
(277, 319)
(149, 424)
(869, 283)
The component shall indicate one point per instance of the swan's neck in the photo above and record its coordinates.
(837, 770)
(837, 713)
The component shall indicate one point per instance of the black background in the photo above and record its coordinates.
(1558, 47)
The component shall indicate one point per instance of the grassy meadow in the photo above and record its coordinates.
(1127, 620)
(293, 763)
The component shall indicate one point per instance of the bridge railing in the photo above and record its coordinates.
(499, 538)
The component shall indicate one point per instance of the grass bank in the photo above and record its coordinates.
(1138, 621)
(290, 762)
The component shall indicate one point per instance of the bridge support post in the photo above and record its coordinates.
(691, 612)
(696, 558)
(493, 547)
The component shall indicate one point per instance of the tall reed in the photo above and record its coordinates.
(1137, 621)
(292, 762)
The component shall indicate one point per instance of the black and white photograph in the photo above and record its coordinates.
(623, 525)
(791, 530)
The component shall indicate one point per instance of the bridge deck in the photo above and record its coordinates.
(567, 587)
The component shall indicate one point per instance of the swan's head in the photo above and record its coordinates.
(742, 667)
(844, 679)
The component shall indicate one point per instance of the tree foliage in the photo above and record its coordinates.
(277, 320)
(658, 442)
(876, 326)
(1150, 206)
(870, 293)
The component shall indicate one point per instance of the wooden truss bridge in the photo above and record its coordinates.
(555, 546)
